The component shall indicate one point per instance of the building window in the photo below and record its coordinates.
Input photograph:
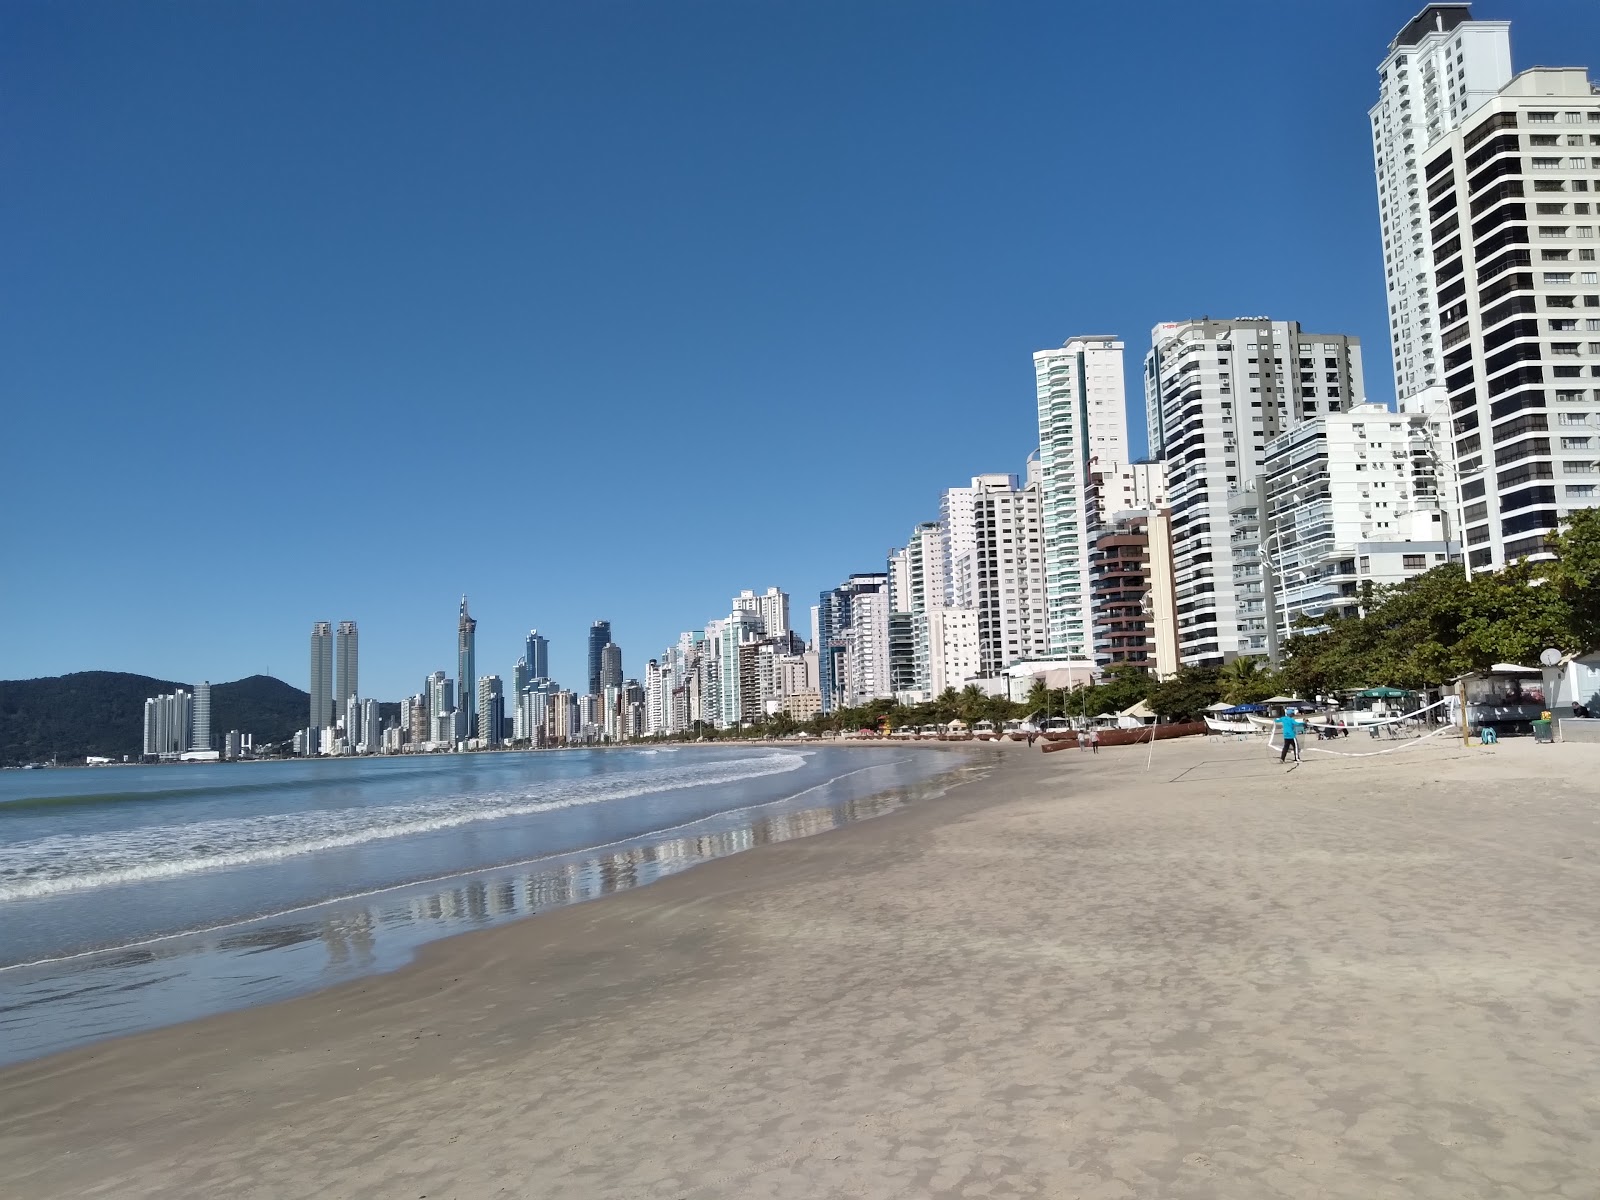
(1560, 277)
(1580, 491)
(1414, 562)
(1574, 443)
(1541, 118)
(1552, 231)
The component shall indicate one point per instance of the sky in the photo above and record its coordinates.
(335, 310)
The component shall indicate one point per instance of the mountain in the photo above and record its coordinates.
(68, 717)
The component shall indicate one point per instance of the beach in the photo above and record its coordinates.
(1076, 976)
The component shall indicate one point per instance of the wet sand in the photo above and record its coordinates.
(1364, 978)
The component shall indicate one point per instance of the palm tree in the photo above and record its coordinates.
(1246, 680)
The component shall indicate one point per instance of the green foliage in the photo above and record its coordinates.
(1187, 695)
(1576, 574)
(1439, 625)
(1249, 681)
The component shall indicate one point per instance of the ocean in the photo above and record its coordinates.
(135, 897)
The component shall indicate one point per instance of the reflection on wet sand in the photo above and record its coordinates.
(53, 1006)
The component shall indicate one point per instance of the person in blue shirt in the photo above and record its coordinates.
(1291, 725)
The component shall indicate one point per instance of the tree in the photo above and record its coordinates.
(1576, 575)
(1187, 694)
(1248, 681)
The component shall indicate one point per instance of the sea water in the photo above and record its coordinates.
(134, 897)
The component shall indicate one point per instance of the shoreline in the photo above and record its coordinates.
(1214, 978)
(563, 878)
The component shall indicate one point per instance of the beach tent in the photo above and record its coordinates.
(1219, 707)
(1381, 693)
(1283, 700)
(1239, 710)
(1135, 716)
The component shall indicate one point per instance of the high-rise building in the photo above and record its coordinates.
(467, 670)
(414, 714)
(1082, 418)
(1513, 204)
(441, 707)
(168, 724)
(610, 666)
(520, 677)
(538, 655)
(772, 606)
(491, 710)
(1220, 391)
(321, 688)
(372, 735)
(599, 639)
(866, 658)
(200, 736)
(1010, 584)
(952, 647)
(346, 679)
(1131, 579)
(1345, 501)
(1440, 69)
(834, 616)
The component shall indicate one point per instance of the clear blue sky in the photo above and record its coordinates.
(339, 310)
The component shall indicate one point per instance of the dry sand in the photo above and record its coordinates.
(1363, 978)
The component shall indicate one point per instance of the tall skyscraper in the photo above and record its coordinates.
(371, 738)
(610, 667)
(1082, 417)
(491, 710)
(538, 655)
(1009, 587)
(772, 606)
(441, 700)
(321, 689)
(200, 737)
(346, 679)
(168, 724)
(599, 639)
(1514, 204)
(1440, 69)
(1221, 390)
(835, 615)
(466, 663)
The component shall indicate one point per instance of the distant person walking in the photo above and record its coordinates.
(1291, 726)
(1094, 740)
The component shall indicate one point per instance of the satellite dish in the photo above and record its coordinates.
(1550, 657)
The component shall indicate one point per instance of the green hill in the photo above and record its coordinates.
(68, 717)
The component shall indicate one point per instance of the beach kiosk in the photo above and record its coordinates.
(1507, 698)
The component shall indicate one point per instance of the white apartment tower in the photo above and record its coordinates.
(1082, 417)
(1218, 392)
(1440, 69)
(1009, 571)
(1513, 206)
(1346, 500)
(772, 606)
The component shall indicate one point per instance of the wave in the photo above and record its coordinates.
(66, 863)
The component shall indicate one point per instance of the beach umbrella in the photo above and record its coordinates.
(1381, 693)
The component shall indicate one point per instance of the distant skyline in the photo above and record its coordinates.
(681, 299)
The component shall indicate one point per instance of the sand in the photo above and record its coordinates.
(1363, 978)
